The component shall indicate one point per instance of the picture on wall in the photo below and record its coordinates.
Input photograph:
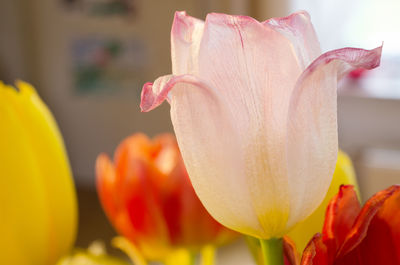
(107, 65)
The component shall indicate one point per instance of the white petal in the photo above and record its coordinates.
(186, 35)
(312, 127)
(210, 147)
(299, 30)
(254, 68)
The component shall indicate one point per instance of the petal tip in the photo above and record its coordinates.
(103, 166)
(179, 14)
(180, 18)
(147, 97)
(25, 88)
(183, 25)
(356, 57)
(297, 20)
(378, 55)
(153, 94)
(371, 58)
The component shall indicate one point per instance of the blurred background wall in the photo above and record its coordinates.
(89, 59)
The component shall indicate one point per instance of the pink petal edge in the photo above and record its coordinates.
(357, 58)
(186, 35)
(153, 94)
(298, 28)
(183, 26)
(313, 106)
(232, 19)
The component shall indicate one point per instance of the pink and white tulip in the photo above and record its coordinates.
(254, 109)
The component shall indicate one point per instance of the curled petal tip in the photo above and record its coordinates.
(370, 59)
(147, 97)
(153, 94)
(378, 52)
(355, 57)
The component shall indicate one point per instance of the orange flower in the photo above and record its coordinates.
(148, 197)
(355, 236)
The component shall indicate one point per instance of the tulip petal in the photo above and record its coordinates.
(208, 146)
(290, 253)
(130, 197)
(344, 174)
(254, 68)
(341, 213)
(22, 241)
(107, 185)
(51, 157)
(374, 236)
(136, 188)
(186, 35)
(389, 215)
(382, 243)
(372, 239)
(183, 209)
(153, 94)
(32, 139)
(315, 253)
(105, 182)
(298, 29)
(312, 144)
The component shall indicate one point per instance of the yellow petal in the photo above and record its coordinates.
(344, 174)
(36, 180)
(23, 215)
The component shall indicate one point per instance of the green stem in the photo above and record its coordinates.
(272, 251)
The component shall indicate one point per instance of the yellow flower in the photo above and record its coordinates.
(38, 207)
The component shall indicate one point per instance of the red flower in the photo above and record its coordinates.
(147, 196)
(355, 236)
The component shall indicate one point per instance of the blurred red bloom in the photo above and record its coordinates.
(148, 198)
(355, 236)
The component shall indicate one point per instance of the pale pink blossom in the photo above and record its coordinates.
(254, 109)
